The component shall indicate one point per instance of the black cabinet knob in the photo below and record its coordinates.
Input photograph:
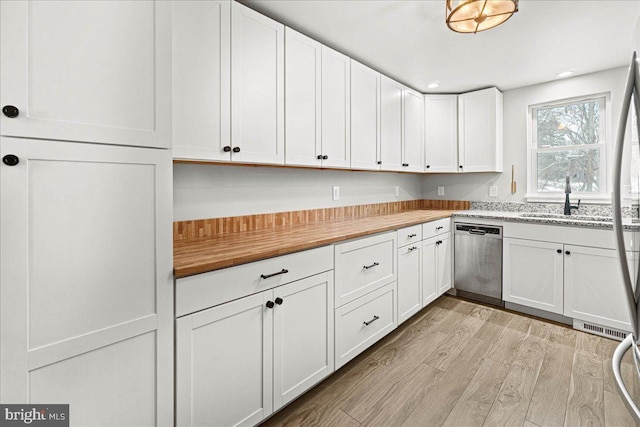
(10, 160)
(226, 149)
(236, 149)
(428, 166)
(379, 162)
(325, 157)
(460, 166)
(270, 304)
(559, 251)
(10, 111)
(279, 301)
(319, 156)
(567, 252)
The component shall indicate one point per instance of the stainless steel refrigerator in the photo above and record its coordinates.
(631, 104)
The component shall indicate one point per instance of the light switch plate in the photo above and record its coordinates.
(336, 192)
(493, 191)
(440, 191)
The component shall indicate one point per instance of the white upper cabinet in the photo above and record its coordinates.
(365, 117)
(257, 87)
(441, 133)
(390, 124)
(480, 131)
(317, 103)
(201, 80)
(336, 109)
(413, 131)
(303, 99)
(78, 71)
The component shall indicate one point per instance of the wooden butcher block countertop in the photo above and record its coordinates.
(199, 255)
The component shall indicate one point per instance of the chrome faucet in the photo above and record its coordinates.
(567, 204)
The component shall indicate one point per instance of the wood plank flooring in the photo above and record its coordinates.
(457, 363)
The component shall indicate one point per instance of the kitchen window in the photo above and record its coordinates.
(568, 137)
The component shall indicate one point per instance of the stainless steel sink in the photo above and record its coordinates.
(543, 215)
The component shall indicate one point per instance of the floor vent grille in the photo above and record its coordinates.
(600, 330)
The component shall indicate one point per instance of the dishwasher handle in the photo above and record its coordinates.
(477, 231)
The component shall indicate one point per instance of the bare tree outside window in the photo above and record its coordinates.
(569, 140)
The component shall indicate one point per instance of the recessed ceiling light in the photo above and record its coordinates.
(433, 85)
(566, 73)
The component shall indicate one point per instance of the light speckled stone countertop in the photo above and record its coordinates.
(575, 221)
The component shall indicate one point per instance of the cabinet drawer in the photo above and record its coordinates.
(364, 265)
(353, 334)
(409, 235)
(205, 290)
(434, 228)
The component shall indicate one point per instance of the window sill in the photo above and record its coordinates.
(559, 198)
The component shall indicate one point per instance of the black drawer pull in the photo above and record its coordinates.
(236, 149)
(567, 252)
(371, 321)
(266, 276)
(366, 267)
(412, 248)
(412, 235)
(439, 228)
(319, 156)
(270, 304)
(325, 157)
(226, 148)
(559, 251)
(279, 301)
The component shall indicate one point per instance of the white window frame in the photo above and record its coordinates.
(605, 146)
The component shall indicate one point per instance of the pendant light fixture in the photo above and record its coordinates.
(472, 16)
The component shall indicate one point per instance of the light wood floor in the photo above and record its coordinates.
(457, 363)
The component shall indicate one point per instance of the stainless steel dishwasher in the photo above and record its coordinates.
(478, 262)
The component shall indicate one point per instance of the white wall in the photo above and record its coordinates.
(212, 191)
(475, 186)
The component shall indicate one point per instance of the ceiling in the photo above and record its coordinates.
(410, 42)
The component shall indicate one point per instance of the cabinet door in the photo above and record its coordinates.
(223, 364)
(443, 264)
(336, 108)
(390, 124)
(78, 71)
(86, 294)
(409, 281)
(441, 133)
(480, 131)
(302, 337)
(593, 287)
(257, 87)
(365, 116)
(413, 131)
(429, 271)
(302, 93)
(201, 79)
(533, 274)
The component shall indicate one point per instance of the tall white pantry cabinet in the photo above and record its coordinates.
(86, 289)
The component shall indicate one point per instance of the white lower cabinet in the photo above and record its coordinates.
(409, 281)
(593, 286)
(302, 336)
(362, 322)
(224, 364)
(533, 274)
(424, 266)
(238, 362)
(436, 267)
(574, 272)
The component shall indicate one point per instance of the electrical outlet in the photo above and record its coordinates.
(336, 192)
(397, 191)
(493, 191)
(440, 191)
